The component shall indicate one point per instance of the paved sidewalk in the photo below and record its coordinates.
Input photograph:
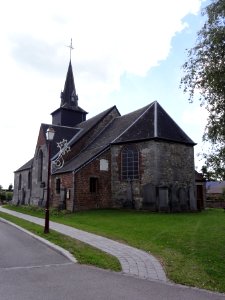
(133, 261)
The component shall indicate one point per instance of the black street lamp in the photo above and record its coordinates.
(49, 137)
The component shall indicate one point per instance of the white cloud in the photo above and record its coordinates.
(195, 115)
(111, 37)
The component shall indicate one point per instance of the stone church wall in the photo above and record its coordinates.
(36, 193)
(166, 178)
(21, 195)
(39, 186)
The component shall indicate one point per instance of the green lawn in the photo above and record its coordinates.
(191, 246)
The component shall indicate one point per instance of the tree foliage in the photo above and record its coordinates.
(204, 77)
(10, 188)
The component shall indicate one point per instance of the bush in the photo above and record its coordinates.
(3, 196)
(9, 196)
(6, 196)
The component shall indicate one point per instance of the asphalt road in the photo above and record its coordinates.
(32, 270)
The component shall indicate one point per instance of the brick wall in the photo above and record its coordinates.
(84, 198)
(78, 184)
(64, 197)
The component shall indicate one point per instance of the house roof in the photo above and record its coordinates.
(215, 187)
(199, 177)
(149, 122)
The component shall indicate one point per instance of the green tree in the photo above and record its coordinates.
(10, 187)
(204, 77)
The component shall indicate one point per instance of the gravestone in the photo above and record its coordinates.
(175, 203)
(183, 198)
(149, 197)
(193, 202)
(163, 199)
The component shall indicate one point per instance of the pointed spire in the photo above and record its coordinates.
(69, 98)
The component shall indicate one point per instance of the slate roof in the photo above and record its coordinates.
(69, 97)
(77, 108)
(71, 134)
(149, 122)
(61, 132)
(26, 166)
(199, 177)
(154, 123)
(87, 125)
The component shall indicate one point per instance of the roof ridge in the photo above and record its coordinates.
(105, 112)
(147, 108)
(155, 119)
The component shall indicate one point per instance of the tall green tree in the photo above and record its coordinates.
(204, 78)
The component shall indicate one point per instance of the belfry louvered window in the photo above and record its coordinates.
(130, 163)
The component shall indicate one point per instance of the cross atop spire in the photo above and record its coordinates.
(71, 47)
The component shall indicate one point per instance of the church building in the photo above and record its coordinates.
(141, 160)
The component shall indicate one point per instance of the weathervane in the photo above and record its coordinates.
(71, 47)
(58, 163)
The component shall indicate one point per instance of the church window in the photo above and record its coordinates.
(129, 163)
(29, 180)
(20, 182)
(57, 185)
(93, 184)
(40, 165)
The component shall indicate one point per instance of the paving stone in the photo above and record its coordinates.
(133, 261)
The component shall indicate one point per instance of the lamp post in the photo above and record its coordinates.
(49, 137)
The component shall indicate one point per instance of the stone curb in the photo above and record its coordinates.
(57, 248)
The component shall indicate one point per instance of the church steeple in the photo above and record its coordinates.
(69, 113)
(69, 97)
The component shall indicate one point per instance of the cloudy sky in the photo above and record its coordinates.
(127, 53)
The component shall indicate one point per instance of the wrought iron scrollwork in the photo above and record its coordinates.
(58, 163)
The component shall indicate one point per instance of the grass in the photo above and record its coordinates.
(84, 253)
(191, 246)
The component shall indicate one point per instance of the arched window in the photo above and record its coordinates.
(20, 182)
(130, 163)
(40, 165)
(29, 180)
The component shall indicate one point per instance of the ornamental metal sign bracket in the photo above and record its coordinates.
(58, 163)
